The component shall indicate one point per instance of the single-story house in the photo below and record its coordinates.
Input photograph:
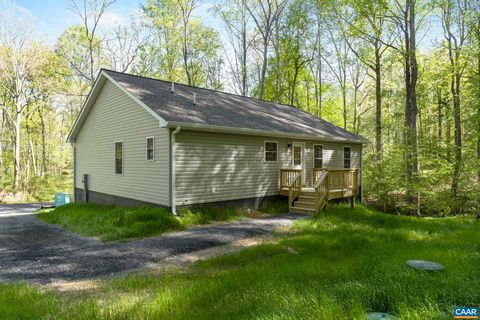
(142, 140)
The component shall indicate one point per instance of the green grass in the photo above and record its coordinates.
(274, 207)
(349, 262)
(110, 223)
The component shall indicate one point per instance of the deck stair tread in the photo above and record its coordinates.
(304, 204)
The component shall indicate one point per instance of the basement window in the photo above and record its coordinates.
(271, 151)
(317, 156)
(118, 157)
(347, 160)
(150, 149)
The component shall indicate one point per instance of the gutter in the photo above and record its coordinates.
(173, 174)
(256, 132)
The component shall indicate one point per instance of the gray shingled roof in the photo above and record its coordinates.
(226, 110)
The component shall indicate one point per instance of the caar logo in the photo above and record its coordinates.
(465, 313)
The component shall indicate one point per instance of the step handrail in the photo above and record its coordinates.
(294, 188)
(321, 190)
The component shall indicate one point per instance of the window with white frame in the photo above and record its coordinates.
(317, 156)
(271, 150)
(347, 160)
(150, 148)
(119, 157)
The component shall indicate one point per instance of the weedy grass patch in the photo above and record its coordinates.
(344, 263)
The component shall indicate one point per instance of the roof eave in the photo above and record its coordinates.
(256, 132)
(92, 95)
(96, 88)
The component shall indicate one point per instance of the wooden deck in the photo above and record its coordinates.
(325, 185)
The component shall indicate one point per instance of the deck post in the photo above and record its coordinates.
(352, 202)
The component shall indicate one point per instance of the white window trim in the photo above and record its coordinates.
(146, 148)
(343, 159)
(265, 151)
(321, 145)
(115, 158)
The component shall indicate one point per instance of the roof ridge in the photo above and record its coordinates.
(194, 87)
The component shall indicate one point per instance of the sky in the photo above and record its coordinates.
(51, 17)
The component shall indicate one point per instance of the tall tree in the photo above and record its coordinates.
(455, 26)
(91, 12)
(186, 9)
(22, 62)
(369, 24)
(404, 16)
(236, 18)
(123, 45)
(265, 15)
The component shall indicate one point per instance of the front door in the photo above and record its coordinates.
(298, 160)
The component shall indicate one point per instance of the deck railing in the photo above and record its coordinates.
(340, 179)
(287, 176)
(294, 189)
(321, 190)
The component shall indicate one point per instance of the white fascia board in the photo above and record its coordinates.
(92, 95)
(255, 132)
(102, 77)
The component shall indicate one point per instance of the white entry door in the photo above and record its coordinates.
(298, 158)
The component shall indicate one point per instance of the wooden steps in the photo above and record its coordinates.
(305, 203)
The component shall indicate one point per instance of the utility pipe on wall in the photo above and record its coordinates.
(172, 163)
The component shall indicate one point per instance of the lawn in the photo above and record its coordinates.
(338, 266)
(110, 223)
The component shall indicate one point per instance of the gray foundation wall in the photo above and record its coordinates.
(108, 199)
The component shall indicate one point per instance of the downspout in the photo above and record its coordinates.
(361, 174)
(74, 171)
(173, 177)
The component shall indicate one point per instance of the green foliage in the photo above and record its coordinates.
(348, 263)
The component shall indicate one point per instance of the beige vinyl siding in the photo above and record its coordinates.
(216, 167)
(116, 117)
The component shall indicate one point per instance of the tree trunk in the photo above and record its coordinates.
(44, 143)
(16, 153)
(411, 110)
(244, 59)
(378, 102)
(294, 82)
(478, 102)
(448, 131)
(278, 63)
(457, 132)
(344, 97)
(439, 116)
(261, 85)
(318, 86)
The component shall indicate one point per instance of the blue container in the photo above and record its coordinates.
(61, 198)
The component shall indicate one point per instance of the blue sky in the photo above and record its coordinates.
(52, 17)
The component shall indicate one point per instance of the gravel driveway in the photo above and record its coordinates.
(35, 251)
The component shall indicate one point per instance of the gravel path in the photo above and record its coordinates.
(35, 251)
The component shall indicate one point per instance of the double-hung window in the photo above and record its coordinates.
(347, 160)
(150, 148)
(317, 156)
(271, 150)
(118, 157)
